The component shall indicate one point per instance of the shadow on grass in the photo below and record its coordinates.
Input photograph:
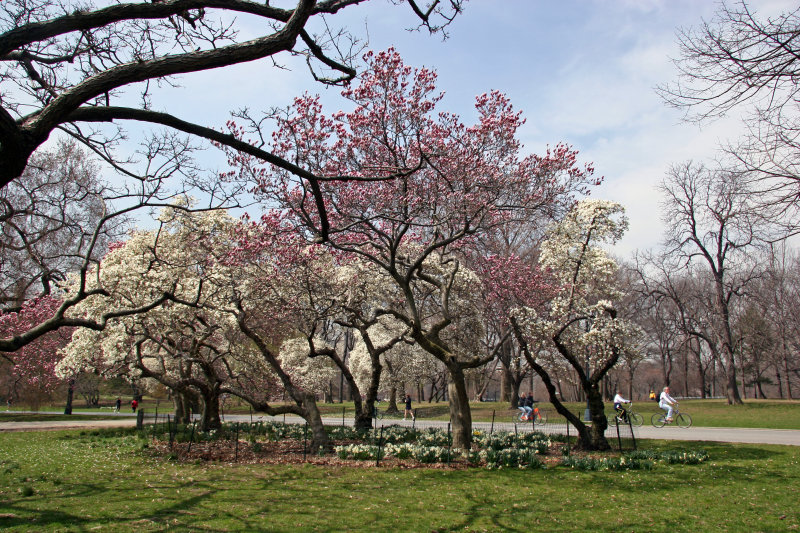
(47, 511)
(718, 450)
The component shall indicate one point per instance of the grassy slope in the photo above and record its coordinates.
(92, 483)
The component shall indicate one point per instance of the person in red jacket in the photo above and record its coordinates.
(134, 405)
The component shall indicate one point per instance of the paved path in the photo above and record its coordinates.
(66, 424)
(744, 435)
(789, 437)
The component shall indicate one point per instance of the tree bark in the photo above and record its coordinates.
(210, 418)
(319, 439)
(731, 389)
(460, 414)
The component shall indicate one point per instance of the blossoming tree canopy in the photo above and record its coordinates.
(404, 182)
(394, 162)
(581, 323)
(587, 277)
(403, 362)
(34, 364)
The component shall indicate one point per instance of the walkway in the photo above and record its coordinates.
(789, 437)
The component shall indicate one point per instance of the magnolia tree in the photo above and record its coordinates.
(280, 288)
(510, 281)
(581, 323)
(420, 186)
(33, 366)
(216, 337)
(188, 346)
(403, 363)
(362, 291)
(330, 296)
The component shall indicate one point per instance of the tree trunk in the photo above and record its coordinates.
(363, 418)
(392, 408)
(319, 439)
(666, 368)
(700, 371)
(585, 439)
(788, 376)
(514, 395)
(599, 422)
(211, 419)
(70, 395)
(731, 389)
(741, 372)
(181, 409)
(631, 372)
(713, 375)
(460, 414)
(686, 373)
(506, 393)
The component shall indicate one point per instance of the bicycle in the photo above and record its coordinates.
(682, 420)
(539, 417)
(622, 418)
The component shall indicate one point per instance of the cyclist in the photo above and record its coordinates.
(526, 405)
(534, 410)
(622, 414)
(667, 403)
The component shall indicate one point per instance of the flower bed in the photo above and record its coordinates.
(398, 446)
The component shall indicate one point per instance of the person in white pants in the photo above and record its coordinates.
(667, 402)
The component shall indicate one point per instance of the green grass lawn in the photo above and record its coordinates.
(71, 481)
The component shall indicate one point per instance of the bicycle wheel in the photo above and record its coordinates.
(658, 420)
(542, 418)
(636, 419)
(612, 421)
(683, 420)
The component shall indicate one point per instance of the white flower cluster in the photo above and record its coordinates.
(311, 373)
(176, 259)
(402, 363)
(582, 315)
(421, 453)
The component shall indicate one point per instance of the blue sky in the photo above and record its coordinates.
(582, 71)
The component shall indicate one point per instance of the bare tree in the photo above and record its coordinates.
(48, 216)
(777, 296)
(737, 58)
(746, 62)
(677, 314)
(712, 221)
